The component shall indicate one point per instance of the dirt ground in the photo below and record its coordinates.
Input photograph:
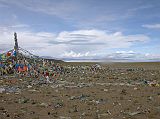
(120, 91)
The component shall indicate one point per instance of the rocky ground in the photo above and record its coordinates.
(118, 91)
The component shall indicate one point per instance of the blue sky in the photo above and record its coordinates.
(83, 29)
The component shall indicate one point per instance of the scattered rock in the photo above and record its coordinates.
(43, 105)
(124, 92)
(134, 113)
(2, 90)
(58, 105)
(23, 100)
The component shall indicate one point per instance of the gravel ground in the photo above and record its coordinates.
(118, 91)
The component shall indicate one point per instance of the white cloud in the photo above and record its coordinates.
(26, 39)
(151, 26)
(72, 54)
(125, 52)
(152, 56)
(123, 55)
(98, 40)
(78, 43)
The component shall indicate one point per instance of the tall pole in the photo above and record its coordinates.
(16, 43)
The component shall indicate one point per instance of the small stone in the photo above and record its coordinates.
(83, 114)
(43, 105)
(124, 92)
(150, 98)
(106, 90)
(23, 100)
(134, 113)
(135, 88)
(2, 90)
(109, 112)
(72, 97)
(29, 86)
(58, 105)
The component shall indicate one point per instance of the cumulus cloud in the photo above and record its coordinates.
(151, 26)
(78, 43)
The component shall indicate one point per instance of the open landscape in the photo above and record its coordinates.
(113, 91)
(79, 59)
